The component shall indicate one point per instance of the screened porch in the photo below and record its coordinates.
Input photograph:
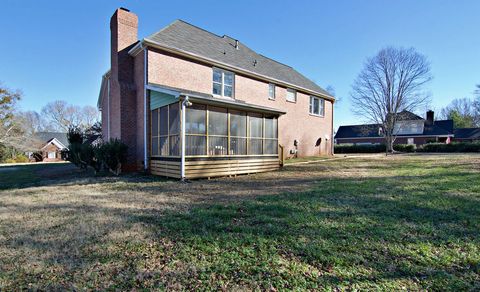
(219, 140)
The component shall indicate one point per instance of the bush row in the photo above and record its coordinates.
(452, 147)
(430, 147)
(371, 148)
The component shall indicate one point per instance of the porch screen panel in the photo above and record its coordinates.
(217, 131)
(174, 129)
(196, 130)
(163, 132)
(270, 145)
(238, 133)
(154, 133)
(255, 139)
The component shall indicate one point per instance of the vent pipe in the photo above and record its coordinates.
(236, 45)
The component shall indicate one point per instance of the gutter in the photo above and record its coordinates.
(145, 82)
(147, 42)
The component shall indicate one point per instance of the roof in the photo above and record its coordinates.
(47, 137)
(467, 133)
(439, 128)
(210, 99)
(358, 131)
(407, 116)
(182, 36)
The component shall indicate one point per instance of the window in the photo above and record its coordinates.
(52, 154)
(317, 106)
(223, 82)
(271, 91)
(291, 95)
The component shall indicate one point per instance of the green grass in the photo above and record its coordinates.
(308, 158)
(13, 176)
(398, 223)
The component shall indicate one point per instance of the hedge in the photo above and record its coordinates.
(449, 148)
(371, 148)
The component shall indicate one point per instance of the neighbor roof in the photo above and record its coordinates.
(467, 133)
(185, 37)
(48, 136)
(439, 128)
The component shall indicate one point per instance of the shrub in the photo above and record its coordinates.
(365, 148)
(452, 147)
(10, 160)
(21, 159)
(371, 148)
(103, 156)
(112, 155)
(404, 148)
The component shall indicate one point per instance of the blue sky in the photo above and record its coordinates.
(59, 49)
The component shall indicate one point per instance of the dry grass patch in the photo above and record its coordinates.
(367, 223)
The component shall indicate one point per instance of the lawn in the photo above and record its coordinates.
(372, 223)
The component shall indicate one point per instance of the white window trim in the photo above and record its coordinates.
(310, 106)
(222, 84)
(294, 94)
(274, 91)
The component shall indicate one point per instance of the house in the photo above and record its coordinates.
(49, 146)
(409, 129)
(190, 103)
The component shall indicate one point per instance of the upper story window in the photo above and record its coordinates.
(271, 91)
(223, 82)
(291, 95)
(317, 106)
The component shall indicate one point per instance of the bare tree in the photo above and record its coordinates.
(9, 126)
(90, 116)
(389, 83)
(462, 111)
(62, 115)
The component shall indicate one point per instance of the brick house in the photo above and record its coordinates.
(49, 145)
(190, 103)
(410, 129)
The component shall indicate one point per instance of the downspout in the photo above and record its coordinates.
(332, 141)
(108, 109)
(145, 82)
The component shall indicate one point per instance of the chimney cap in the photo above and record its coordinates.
(124, 9)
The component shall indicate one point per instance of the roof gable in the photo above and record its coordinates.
(189, 38)
(46, 137)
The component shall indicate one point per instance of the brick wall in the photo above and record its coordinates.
(170, 70)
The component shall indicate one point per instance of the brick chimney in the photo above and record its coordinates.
(430, 117)
(123, 36)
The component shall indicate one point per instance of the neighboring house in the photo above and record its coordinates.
(50, 145)
(189, 103)
(467, 134)
(409, 129)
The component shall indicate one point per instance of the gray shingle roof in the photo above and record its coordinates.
(439, 128)
(45, 137)
(189, 38)
(467, 133)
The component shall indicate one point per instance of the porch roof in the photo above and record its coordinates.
(209, 99)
